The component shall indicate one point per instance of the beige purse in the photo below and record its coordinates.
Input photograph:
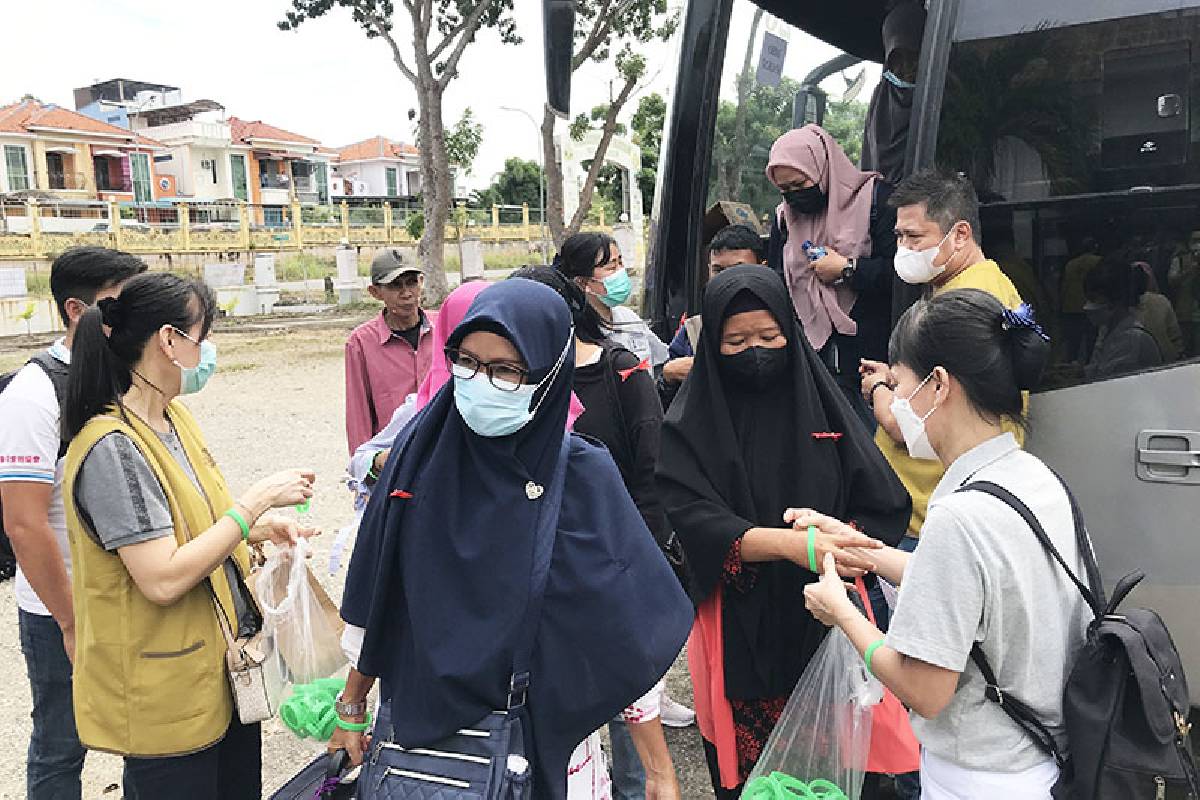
(254, 694)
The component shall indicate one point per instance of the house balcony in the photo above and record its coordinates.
(201, 134)
(64, 181)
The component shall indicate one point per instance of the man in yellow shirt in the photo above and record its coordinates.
(937, 236)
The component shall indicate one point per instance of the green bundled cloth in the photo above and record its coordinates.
(780, 786)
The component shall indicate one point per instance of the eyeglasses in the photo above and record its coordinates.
(406, 283)
(503, 376)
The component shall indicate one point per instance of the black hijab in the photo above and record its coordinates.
(734, 459)
(440, 576)
(885, 137)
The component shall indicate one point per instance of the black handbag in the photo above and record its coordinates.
(325, 778)
(488, 760)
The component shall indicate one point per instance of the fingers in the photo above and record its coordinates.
(852, 538)
(829, 568)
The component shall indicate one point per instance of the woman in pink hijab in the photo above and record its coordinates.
(844, 297)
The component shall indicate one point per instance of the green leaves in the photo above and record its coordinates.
(463, 140)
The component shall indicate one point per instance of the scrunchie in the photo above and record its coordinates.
(111, 313)
(1021, 318)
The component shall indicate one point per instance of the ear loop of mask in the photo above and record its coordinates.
(920, 386)
(548, 381)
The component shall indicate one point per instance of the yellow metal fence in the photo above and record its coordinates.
(35, 229)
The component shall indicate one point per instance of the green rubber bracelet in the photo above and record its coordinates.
(354, 727)
(869, 652)
(304, 507)
(237, 517)
(812, 549)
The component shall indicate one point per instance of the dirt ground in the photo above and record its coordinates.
(276, 401)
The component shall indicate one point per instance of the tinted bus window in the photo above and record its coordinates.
(1079, 135)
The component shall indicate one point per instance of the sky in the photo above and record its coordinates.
(326, 80)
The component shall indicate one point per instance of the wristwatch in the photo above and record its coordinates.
(849, 269)
(350, 709)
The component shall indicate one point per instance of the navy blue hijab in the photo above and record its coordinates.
(440, 575)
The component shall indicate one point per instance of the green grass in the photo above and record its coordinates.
(304, 266)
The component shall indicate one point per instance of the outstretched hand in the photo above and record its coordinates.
(849, 548)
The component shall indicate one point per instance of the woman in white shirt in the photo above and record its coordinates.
(979, 576)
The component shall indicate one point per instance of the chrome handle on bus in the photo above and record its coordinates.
(1169, 457)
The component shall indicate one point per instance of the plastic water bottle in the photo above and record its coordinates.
(814, 252)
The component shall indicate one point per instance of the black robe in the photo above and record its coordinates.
(734, 459)
(885, 137)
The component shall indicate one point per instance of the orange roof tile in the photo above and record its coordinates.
(244, 130)
(375, 147)
(29, 114)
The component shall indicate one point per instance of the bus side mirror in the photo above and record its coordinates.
(558, 28)
(809, 106)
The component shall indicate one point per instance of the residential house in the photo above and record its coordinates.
(377, 167)
(282, 164)
(113, 101)
(72, 156)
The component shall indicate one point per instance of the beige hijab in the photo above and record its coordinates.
(844, 226)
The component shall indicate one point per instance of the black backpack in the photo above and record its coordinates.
(1126, 701)
(57, 372)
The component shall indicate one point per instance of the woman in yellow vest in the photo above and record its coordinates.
(159, 548)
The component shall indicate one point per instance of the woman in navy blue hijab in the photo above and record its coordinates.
(441, 573)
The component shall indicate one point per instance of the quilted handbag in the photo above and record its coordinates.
(488, 760)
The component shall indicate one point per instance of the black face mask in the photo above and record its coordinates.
(806, 201)
(755, 368)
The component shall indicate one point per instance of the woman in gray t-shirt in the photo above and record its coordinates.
(961, 362)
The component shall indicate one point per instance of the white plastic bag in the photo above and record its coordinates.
(301, 626)
(824, 734)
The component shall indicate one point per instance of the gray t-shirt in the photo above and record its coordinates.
(980, 575)
(122, 502)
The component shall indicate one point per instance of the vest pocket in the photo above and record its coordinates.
(174, 653)
(177, 684)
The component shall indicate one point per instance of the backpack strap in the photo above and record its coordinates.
(1025, 717)
(57, 372)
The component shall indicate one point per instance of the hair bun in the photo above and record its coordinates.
(111, 313)
(1030, 346)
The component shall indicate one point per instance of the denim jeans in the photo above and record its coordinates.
(229, 770)
(55, 758)
(628, 776)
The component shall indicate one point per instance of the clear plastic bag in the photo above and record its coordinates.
(820, 745)
(300, 623)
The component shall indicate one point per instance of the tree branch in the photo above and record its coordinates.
(469, 27)
(593, 175)
(397, 56)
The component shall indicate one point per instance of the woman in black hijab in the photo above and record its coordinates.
(758, 428)
(885, 138)
(484, 496)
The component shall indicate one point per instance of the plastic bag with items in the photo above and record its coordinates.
(301, 623)
(819, 747)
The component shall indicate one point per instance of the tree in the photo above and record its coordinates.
(439, 32)
(463, 141)
(845, 123)
(729, 176)
(648, 123)
(600, 27)
(519, 183)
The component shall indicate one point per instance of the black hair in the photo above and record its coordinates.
(583, 253)
(83, 272)
(102, 365)
(739, 237)
(948, 198)
(966, 332)
(589, 325)
(1114, 281)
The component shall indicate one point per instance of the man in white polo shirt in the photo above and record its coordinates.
(30, 491)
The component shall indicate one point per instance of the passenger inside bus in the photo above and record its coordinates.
(885, 137)
(1123, 345)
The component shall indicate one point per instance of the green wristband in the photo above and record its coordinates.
(869, 652)
(812, 549)
(354, 727)
(237, 517)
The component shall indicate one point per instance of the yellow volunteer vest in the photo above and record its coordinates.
(150, 680)
(920, 476)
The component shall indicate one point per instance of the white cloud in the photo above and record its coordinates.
(326, 80)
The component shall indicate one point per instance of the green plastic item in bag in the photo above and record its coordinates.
(309, 711)
(780, 786)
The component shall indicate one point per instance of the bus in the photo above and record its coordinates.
(1074, 120)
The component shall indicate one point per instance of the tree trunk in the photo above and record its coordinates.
(554, 211)
(435, 187)
(589, 184)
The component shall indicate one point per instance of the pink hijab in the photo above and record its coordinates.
(454, 308)
(844, 226)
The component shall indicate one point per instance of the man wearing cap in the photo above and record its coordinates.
(387, 357)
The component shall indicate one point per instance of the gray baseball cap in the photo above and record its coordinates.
(388, 265)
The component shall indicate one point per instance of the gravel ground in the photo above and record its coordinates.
(275, 402)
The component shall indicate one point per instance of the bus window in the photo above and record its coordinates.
(766, 64)
(1078, 135)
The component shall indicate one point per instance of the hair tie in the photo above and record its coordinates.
(110, 312)
(1021, 318)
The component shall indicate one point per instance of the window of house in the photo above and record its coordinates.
(393, 181)
(237, 168)
(209, 168)
(143, 191)
(16, 163)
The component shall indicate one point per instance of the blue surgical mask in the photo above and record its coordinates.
(493, 412)
(617, 288)
(897, 81)
(192, 379)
